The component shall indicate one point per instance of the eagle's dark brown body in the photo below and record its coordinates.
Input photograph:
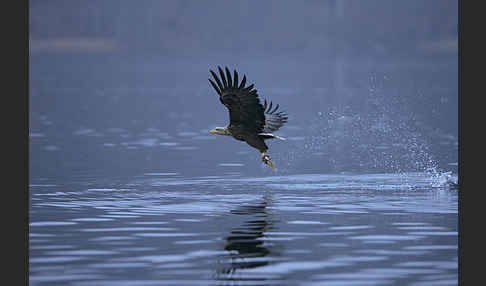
(240, 133)
(250, 120)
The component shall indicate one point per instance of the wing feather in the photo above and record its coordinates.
(243, 103)
(221, 73)
(235, 83)
(273, 121)
(217, 80)
(228, 75)
(243, 82)
(215, 87)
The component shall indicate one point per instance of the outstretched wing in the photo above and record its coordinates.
(273, 121)
(242, 102)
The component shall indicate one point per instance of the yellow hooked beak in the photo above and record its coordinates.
(212, 131)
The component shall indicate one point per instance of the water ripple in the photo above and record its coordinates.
(312, 229)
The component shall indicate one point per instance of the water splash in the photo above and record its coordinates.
(444, 179)
(375, 134)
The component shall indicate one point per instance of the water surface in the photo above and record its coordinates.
(310, 229)
(127, 186)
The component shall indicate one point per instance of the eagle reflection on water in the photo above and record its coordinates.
(246, 244)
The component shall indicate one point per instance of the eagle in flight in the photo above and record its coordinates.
(250, 120)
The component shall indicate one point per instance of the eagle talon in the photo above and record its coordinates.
(250, 120)
(267, 161)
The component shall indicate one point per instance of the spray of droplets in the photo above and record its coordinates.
(377, 136)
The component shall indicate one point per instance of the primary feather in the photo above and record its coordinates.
(273, 121)
(244, 106)
(250, 120)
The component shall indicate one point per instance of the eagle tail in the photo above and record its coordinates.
(270, 136)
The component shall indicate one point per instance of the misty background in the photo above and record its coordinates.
(121, 87)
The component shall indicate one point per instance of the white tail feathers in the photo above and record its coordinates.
(270, 135)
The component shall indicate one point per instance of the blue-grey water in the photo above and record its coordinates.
(127, 186)
(311, 229)
(113, 207)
